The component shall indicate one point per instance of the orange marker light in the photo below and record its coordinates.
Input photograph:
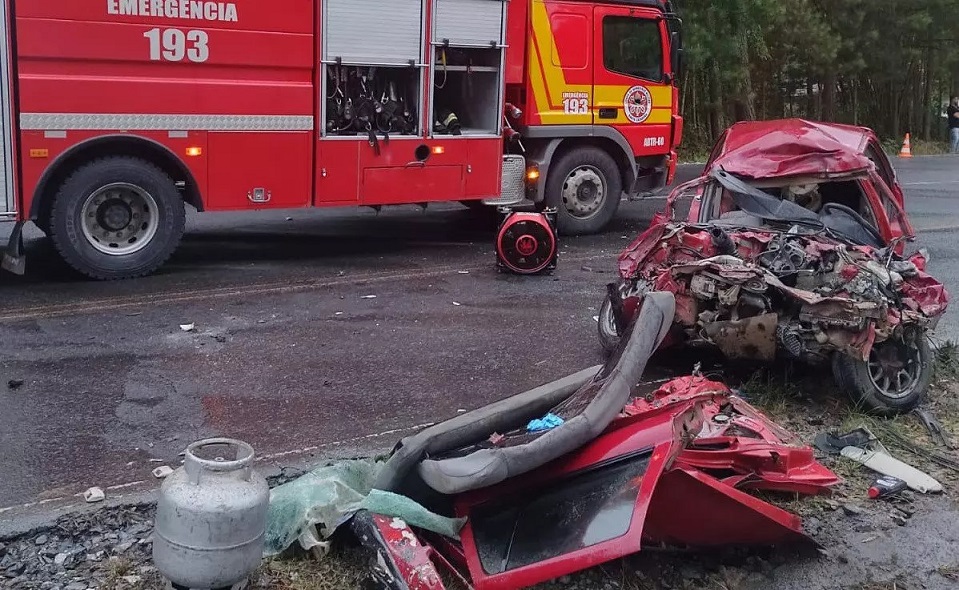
(39, 153)
(194, 151)
(438, 149)
(532, 174)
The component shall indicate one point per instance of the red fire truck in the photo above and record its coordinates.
(117, 112)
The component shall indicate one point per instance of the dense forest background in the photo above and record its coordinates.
(887, 64)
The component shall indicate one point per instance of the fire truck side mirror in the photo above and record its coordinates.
(676, 55)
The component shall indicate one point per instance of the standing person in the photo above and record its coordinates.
(953, 113)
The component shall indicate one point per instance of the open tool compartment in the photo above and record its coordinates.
(372, 68)
(467, 67)
(467, 82)
(362, 99)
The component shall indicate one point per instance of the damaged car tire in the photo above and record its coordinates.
(608, 334)
(893, 380)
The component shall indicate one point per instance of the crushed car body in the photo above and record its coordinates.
(625, 467)
(793, 247)
(671, 471)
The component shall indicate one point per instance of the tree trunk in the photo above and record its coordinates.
(829, 95)
(927, 95)
(894, 126)
(855, 102)
(715, 103)
(743, 105)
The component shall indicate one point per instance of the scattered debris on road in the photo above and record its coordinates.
(93, 495)
(885, 487)
(862, 446)
(162, 471)
(934, 428)
(188, 327)
(15, 384)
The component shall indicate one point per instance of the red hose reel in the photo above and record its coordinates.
(526, 242)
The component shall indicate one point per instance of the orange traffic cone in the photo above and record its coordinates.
(906, 151)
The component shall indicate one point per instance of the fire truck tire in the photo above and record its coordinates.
(117, 218)
(585, 187)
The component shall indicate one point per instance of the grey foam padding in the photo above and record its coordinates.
(476, 425)
(613, 386)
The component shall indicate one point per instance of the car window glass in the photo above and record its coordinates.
(684, 201)
(881, 167)
(632, 46)
(889, 204)
(717, 149)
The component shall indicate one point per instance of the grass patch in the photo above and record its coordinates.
(344, 567)
(949, 572)
(693, 154)
(118, 568)
(947, 361)
(919, 147)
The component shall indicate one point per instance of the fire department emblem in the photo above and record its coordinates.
(638, 104)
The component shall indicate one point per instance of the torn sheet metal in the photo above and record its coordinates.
(620, 493)
(399, 560)
(740, 443)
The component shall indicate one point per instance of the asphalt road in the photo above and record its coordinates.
(290, 352)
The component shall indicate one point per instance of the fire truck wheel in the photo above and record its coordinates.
(117, 218)
(585, 187)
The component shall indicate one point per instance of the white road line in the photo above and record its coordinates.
(356, 439)
(260, 458)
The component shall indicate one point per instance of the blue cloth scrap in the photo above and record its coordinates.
(547, 422)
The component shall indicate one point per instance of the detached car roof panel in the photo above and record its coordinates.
(792, 147)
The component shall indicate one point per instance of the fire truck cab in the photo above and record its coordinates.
(118, 113)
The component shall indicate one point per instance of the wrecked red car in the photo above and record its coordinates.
(793, 248)
(624, 468)
(861, 140)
